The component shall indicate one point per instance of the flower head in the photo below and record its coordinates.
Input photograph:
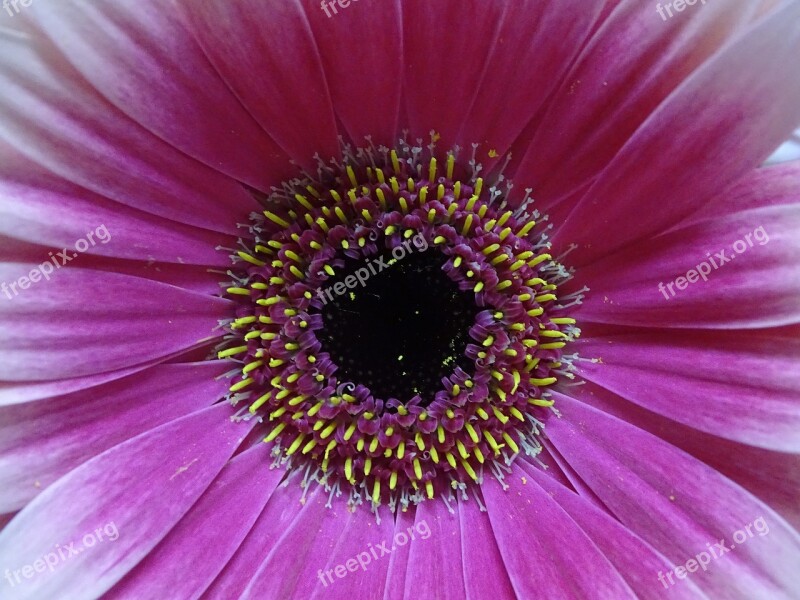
(413, 299)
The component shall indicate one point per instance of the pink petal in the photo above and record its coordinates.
(706, 135)
(205, 539)
(364, 71)
(285, 505)
(321, 538)
(774, 477)
(267, 55)
(484, 571)
(434, 563)
(83, 322)
(636, 561)
(142, 487)
(639, 286)
(533, 46)
(771, 186)
(677, 504)
(701, 379)
(43, 440)
(396, 576)
(111, 229)
(539, 542)
(141, 58)
(443, 64)
(358, 535)
(29, 391)
(58, 122)
(632, 63)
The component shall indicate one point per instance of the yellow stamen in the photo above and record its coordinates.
(275, 432)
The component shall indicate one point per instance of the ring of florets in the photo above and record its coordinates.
(397, 450)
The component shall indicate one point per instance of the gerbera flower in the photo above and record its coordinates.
(431, 299)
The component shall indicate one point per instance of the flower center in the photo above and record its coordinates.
(403, 329)
(398, 325)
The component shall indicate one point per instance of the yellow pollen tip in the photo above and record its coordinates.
(511, 443)
(303, 201)
(260, 402)
(540, 402)
(275, 432)
(231, 351)
(429, 489)
(296, 444)
(376, 492)
(242, 384)
(276, 219)
(432, 170)
(500, 416)
(251, 259)
(470, 471)
(351, 175)
(237, 291)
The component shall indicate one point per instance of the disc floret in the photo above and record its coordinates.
(487, 410)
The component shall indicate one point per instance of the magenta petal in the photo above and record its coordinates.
(637, 562)
(396, 576)
(774, 477)
(285, 505)
(533, 46)
(360, 541)
(706, 135)
(141, 488)
(444, 64)
(485, 573)
(777, 185)
(138, 54)
(435, 563)
(29, 391)
(111, 229)
(204, 540)
(43, 440)
(84, 322)
(539, 542)
(677, 504)
(632, 287)
(364, 71)
(744, 387)
(58, 122)
(267, 55)
(327, 551)
(631, 64)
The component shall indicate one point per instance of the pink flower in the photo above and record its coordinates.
(502, 288)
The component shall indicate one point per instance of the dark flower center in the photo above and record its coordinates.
(403, 330)
(398, 325)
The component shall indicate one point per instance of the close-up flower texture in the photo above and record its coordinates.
(399, 299)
